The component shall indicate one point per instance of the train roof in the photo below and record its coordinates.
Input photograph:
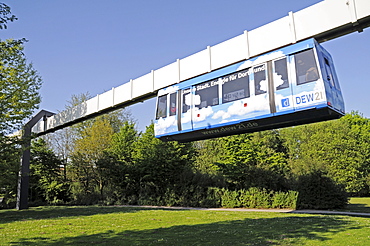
(284, 51)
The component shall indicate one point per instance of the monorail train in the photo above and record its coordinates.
(293, 85)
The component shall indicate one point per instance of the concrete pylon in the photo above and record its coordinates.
(23, 178)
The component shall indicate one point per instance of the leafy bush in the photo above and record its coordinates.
(317, 191)
(258, 198)
(285, 199)
(82, 197)
(212, 198)
(230, 199)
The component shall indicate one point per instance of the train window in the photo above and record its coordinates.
(186, 100)
(161, 107)
(329, 73)
(306, 68)
(281, 74)
(173, 104)
(235, 86)
(260, 82)
(206, 94)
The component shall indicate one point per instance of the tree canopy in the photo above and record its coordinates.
(19, 97)
(19, 81)
(5, 16)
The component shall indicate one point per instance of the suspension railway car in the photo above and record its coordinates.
(293, 85)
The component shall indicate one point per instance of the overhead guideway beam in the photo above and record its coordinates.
(323, 21)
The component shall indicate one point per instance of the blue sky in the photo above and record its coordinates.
(81, 46)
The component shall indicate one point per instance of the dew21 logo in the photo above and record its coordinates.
(285, 102)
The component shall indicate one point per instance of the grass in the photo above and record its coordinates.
(143, 226)
(359, 204)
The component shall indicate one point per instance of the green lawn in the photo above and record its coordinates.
(359, 204)
(143, 226)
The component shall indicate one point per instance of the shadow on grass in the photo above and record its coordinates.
(51, 212)
(291, 230)
(358, 207)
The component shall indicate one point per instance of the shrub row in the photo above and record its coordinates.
(258, 198)
(221, 197)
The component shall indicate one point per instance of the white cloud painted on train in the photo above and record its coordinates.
(164, 123)
(277, 79)
(238, 108)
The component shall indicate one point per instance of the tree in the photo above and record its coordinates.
(209, 153)
(347, 153)
(254, 160)
(340, 149)
(10, 153)
(117, 166)
(317, 191)
(159, 165)
(5, 16)
(64, 141)
(19, 86)
(89, 149)
(123, 142)
(19, 97)
(47, 182)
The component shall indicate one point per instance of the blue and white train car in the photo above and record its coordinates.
(286, 87)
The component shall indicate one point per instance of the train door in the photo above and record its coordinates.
(308, 89)
(166, 114)
(262, 92)
(281, 86)
(186, 110)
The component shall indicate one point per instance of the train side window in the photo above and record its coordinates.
(281, 74)
(161, 107)
(306, 67)
(235, 86)
(173, 104)
(329, 73)
(260, 82)
(186, 100)
(206, 94)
